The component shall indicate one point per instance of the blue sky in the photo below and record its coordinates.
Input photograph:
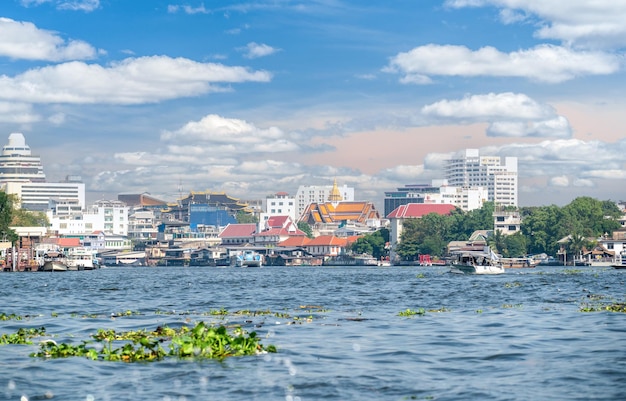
(252, 98)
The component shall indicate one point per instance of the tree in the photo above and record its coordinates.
(372, 244)
(27, 218)
(245, 218)
(6, 215)
(306, 228)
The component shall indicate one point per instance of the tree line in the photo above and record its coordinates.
(541, 229)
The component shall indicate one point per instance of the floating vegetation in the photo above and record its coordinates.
(22, 336)
(572, 271)
(599, 307)
(411, 312)
(513, 284)
(512, 306)
(479, 311)
(420, 275)
(201, 341)
(442, 309)
(12, 316)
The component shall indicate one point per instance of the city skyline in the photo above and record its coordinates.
(254, 98)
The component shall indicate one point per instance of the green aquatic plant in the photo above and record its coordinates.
(442, 309)
(599, 307)
(513, 284)
(511, 306)
(410, 312)
(201, 341)
(12, 316)
(22, 336)
(420, 275)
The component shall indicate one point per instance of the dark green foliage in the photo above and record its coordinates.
(372, 244)
(306, 228)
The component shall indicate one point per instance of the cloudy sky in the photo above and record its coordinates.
(256, 97)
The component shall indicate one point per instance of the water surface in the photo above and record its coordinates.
(339, 335)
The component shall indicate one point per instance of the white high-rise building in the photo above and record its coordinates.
(497, 174)
(308, 194)
(18, 164)
(110, 217)
(281, 204)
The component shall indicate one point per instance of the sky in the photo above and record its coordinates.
(257, 97)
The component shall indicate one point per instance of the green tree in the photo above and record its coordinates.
(306, 228)
(409, 246)
(6, 215)
(372, 244)
(27, 218)
(246, 218)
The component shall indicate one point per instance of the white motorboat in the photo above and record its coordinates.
(477, 262)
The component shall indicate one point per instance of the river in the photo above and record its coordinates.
(341, 333)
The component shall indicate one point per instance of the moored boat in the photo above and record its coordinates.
(519, 263)
(81, 259)
(620, 262)
(249, 258)
(54, 262)
(476, 262)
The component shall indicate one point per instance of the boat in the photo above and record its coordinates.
(519, 263)
(476, 262)
(248, 258)
(81, 259)
(54, 262)
(620, 262)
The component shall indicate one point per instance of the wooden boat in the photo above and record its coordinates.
(476, 262)
(54, 264)
(519, 263)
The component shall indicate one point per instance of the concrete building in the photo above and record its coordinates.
(308, 194)
(280, 204)
(110, 217)
(439, 192)
(18, 164)
(497, 174)
(41, 196)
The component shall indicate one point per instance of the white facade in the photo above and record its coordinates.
(280, 204)
(17, 162)
(142, 224)
(110, 217)
(507, 222)
(498, 175)
(465, 198)
(38, 195)
(308, 194)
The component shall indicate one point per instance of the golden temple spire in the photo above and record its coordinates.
(335, 194)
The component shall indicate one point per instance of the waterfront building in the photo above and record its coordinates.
(308, 194)
(207, 208)
(464, 197)
(238, 234)
(410, 211)
(507, 221)
(111, 217)
(18, 164)
(276, 229)
(497, 174)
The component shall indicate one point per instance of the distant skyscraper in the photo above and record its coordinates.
(497, 174)
(17, 164)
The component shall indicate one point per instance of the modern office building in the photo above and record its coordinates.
(497, 174)
(41, 196)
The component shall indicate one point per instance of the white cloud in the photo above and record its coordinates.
(584, 23)
(57, 118)
(172, 9)
(508, 114)
(560, 181)
(74, 5)
(545, 63)
(131, 81)
(583, 182)
(227, 136)
(23, 40)
(256, 50)
(17, 113)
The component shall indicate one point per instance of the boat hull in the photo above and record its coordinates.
(54, 266)
(478, 269)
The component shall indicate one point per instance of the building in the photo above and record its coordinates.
(412, 193)
(411, 211)
(497, 174)
(506, 221)
(280, 204)
(110, 217)
(308, 194)
(18, 164)
(41, 196)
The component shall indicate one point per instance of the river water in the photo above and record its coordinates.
(339, 333)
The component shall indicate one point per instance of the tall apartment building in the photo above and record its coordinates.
(21, 174)
(18, 164)
(497, 174)
(308, 194)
